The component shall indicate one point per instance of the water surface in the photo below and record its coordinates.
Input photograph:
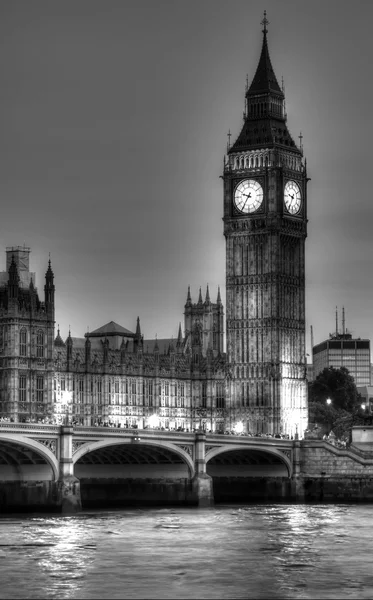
(255, 551)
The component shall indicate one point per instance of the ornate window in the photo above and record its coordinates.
(40, 344)
(23, 342)
(81, 390)
(204, 394)
(40, 388)
(22, 389)
(220, 395)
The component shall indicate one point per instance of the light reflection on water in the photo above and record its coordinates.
(255, 551)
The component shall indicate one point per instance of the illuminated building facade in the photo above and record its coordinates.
(114, 375)
(265, 226)
(26, 340)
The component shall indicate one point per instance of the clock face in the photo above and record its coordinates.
(248, 196)
(292, 197)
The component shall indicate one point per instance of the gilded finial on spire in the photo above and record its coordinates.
(229, 135)
(265, 22)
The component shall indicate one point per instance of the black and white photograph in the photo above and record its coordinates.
(186, 381)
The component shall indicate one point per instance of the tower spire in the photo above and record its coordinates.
(265, 22)
(207, 299)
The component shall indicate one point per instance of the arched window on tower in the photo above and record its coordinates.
(23, 342)
(40, 344)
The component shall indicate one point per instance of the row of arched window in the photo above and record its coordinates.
(260, 160)
(250, 161)
(40, 342)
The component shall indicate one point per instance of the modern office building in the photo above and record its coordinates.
(341, 350)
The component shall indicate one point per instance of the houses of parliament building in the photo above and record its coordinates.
(117, 376)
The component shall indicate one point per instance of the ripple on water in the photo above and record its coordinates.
(256, 551)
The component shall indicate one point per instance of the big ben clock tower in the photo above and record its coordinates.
(265, 226)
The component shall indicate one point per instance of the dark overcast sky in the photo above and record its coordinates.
(115, 115)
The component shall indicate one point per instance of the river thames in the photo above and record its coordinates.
(229, 551)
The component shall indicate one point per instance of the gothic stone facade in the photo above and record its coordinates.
(265, 226)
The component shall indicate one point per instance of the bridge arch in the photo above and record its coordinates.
(256, 450)
(21, 451)
(143, 445)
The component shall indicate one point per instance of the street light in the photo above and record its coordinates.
(328, 401)
(153, 421)
(238, 428)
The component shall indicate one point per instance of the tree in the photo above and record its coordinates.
(339, 386)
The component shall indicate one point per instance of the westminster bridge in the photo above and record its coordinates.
(65, 467)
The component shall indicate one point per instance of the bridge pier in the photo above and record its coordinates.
(68, 485)
(297, 480)
(202, 488)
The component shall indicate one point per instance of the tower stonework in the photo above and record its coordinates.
(265, 226)
(26, 340)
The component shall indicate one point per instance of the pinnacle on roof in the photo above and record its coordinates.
(69, 340)
(179, 337)
(49, 273)
(58, 340)
(200, 297)
(138, 330)
(218, 300)
(189, 298)
(207, 299)
(13, 272)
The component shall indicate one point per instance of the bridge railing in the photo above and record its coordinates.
(19, 427)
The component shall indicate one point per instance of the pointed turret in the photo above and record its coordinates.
(58, 339)
(13, 280)
(179, 342)
(218, 299)
(156, 351)
(200, 301)
(49, 288)
(87, 354)
(33, 295)
(138, 329)
(69, 350)
(137, 342)
(189, 298)
(207, 299)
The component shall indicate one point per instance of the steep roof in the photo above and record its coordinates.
(265, 79)
(265, 119)
(110, 329)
